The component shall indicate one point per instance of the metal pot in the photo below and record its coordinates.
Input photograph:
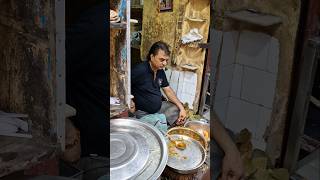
(201, 127)
(189, 132)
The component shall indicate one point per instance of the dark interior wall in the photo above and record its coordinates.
(27, 61)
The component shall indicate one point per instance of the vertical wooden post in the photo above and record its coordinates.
(300, 109)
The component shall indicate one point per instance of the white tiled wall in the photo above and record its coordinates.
(174, 80)
(224, 82)
(229, 47)
(258, 86)
(253, 49)
(242, 115)
(246, 84)
(237, 81)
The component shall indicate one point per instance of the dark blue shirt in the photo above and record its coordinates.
(146, 89)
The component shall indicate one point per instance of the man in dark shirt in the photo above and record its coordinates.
(147, 78)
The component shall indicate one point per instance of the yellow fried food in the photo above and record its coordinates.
(181, 145)
(206, 135)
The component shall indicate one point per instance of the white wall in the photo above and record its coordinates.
(247, 82)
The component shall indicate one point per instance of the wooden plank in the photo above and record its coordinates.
(128, 55)
(309, 144)
(306, 77)
(204, 93)
(16, 135)
(19, 153)
(60, 72)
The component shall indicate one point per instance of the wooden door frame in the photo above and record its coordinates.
(60, 74)
(300, 109)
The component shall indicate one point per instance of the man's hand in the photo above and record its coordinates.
(173, 98)
(132, 106)
(232, 166)
(182, 117)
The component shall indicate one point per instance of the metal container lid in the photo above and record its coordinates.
(128, 154)
(137, 150)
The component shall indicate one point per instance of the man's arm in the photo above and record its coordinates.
(173, 98)
(232, 164)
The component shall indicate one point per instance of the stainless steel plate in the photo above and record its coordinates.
(188, 160)
(156, 155)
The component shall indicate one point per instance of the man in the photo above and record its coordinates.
(147, 78)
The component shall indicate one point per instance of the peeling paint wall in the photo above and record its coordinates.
(289, 11)
(158, 25)
(27, 61)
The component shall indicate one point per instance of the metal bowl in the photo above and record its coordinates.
(189, 132)
(201, 127)
(188, 160)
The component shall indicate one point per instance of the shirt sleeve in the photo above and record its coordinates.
(165, 82)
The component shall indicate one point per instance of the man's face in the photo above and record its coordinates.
(160, 60)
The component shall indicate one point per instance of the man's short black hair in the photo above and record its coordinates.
(160, 45)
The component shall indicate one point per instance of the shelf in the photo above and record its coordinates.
(195, 19)
(253, 17)
(196, 45)
(118, 25)
(190, 67)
